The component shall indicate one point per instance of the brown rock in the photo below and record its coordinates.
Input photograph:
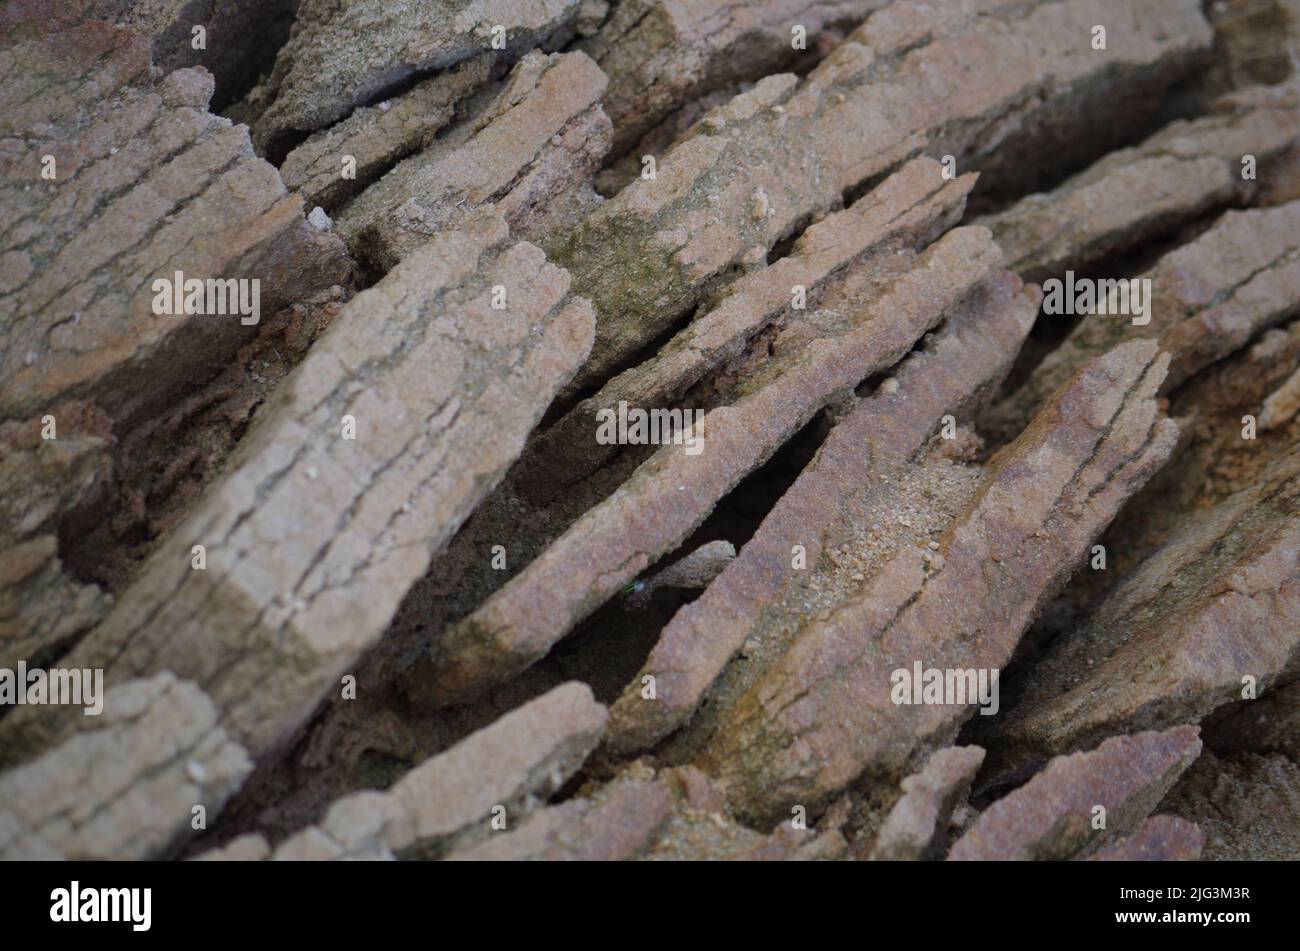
(915, 826)
(313, 538)
(1160, 839)
(824, 716)
(1052, 816)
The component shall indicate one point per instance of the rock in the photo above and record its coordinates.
(1214, 613)
(1054, 815)
(342, 56)
(914, 827)
(126, 786)
(1112, 206)
(823, 715)
(1160, 839)
(542, 133)
(377, 137)
(991, 86)
(670, 494)
(526, 754)
(376, 449)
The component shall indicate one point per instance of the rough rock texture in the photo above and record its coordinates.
(440, 389)
(1054, 815)
(440, 608)
(340, 56)
(662, 53)
(526, 755)
(824, 714)
(1183, 171)
(929, 797)
(1179, 636)
(1160, 839)
(377, 137)
(538, 137)
(907, 211)
(869, 447)
(1209, 297)
(672, 493)
(127, 785)
(616, 823)
(985, 83)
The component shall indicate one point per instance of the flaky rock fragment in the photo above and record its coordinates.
(147, 183)
(1159, 839)
(539, 137)
(908, 210)
(986, 83)
(870, 448)
(1208, 298)
(525, 755)
(126, 786)
(661, 53)
(1212, 617)
(824, 715)
(1181, 172)
(1282, 404)
(344, 55)
(403, 416)
(929, 797)
(617, 823)
(247, 848)
(377, 137)
(693, 572)
(671, 493)
(1053, 815)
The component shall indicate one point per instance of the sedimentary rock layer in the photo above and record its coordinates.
(824, 714)
(404, 415)
(1054, 815)
(987, 83)
(671, 493)
(1213, 616)
(1185, 170)
(340, 56)
(129, 783)
(540, 136)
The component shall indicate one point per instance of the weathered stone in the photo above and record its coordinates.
(670, 494)
(1160, 839)
(124, 787)
(246, 848)
(824, 716)
(340, 56)
(914, 827)
(148, 183)
(377, 137)
(1053, 815)
(540, 136)
(313, 537)
(987, 84)
(871, 447)
(1182, 172)
(526, 755)
(1208, 298)
(618, 822)
(908, 210)
(1219, 602)
(661, 53)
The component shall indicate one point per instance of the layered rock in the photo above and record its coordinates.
(400, 420)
